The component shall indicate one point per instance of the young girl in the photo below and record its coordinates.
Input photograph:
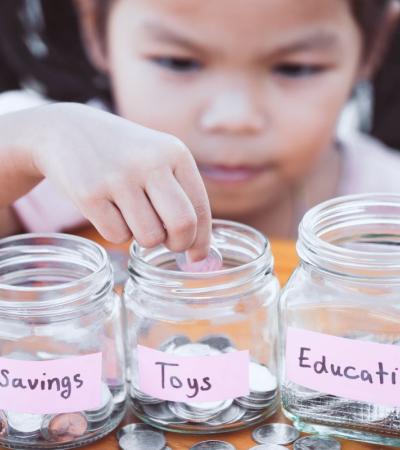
(253, 88)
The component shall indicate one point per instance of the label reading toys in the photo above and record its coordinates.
(51, 386)
(348, 368)
(193, 378)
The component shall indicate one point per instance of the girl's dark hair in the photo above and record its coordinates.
(39, 46)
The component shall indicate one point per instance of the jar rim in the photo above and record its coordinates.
(87, 279)
(164, 277)
(346, 211)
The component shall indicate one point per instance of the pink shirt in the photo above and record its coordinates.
(368, 166)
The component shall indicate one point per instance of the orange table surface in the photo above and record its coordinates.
(285, 261)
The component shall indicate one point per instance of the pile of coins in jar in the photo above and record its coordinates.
(263, 394)
(272, 436)
(62, 427)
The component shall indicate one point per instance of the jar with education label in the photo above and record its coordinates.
(62, 372)
(201, 339)
(340, 321)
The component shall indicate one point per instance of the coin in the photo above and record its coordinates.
(275, 433)
(24, 424)
(104, 410)
(173, 342)
(232, 414)
(132, 427)
(195, 349)
(268, 447)
(64, 427)
(213, 445)
(161, 412)
(3, 424)
(317, 443)
(142, 439)
(211, 263)
(217, 341)
(261, 379)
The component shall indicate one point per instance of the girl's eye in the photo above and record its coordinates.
(178, 64)
(298, 70)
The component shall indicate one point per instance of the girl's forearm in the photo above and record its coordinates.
(19, 134)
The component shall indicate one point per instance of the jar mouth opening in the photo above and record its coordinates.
(244, 247)
(49, 263)
(355, 235)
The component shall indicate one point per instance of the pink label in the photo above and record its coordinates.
(348, 368)
(193, 378)
(52, 386)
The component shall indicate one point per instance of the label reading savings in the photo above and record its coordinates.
(348, 368)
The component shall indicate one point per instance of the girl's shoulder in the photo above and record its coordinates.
(368, 166)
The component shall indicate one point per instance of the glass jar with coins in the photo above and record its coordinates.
(62, 367)
(201, 336)
(340, 321)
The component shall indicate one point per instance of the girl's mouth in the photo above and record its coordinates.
(225, 174)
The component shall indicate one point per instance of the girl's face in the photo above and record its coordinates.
(254, 88)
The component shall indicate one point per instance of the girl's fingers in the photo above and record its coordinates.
(190, 179)
(174, 209)
(140, 216)
(108, 220)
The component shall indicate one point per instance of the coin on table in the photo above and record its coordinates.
(268, 447)
(142, 439)
(317, 443)
(211, 263)
(64, 427)
(132, 427)
(275, 433)
(213, 445)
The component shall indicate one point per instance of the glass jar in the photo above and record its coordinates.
(340, 321)
(201, 346)
(62, 382)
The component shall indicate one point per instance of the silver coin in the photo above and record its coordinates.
(317, 443)
(195, 349)
(173, 342)
(275, 433)
(186, 413)
(162, 413)
(268, 447)
(217, 341)
(232, 414)
(25, 424)
(211, 263)
(145, 439)
(213, 445)
(261, 379)
(105, 408)
(132, 427)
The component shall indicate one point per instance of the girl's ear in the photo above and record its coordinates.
(93, 38)
(381, 40)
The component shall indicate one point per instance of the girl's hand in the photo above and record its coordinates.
(126, 179)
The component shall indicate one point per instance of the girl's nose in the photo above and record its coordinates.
(233, 112)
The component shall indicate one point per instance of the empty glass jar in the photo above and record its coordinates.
(62, 381)
(201, 346)
(340, 321)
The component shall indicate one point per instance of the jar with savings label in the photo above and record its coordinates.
(201, 346)
(340, 321)
(62, 381)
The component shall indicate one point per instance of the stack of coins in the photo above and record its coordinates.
(320, 407)
(263, 396)
(64, 427)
